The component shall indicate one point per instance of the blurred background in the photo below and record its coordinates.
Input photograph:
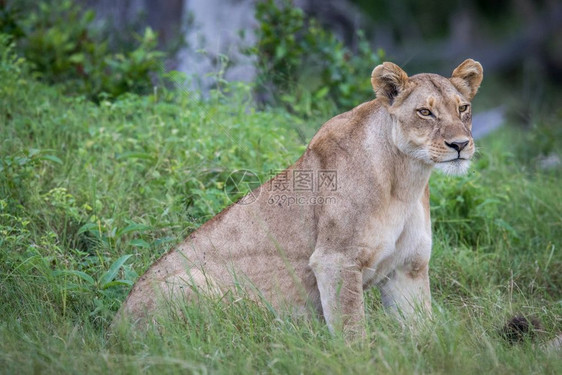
(297, 51)
(505, 35)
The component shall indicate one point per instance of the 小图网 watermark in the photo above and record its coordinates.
(285, 187)
(303, 180)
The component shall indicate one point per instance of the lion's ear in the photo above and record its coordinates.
(388, 80)
(467, 77)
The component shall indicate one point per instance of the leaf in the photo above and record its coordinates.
(112, 271)
(84, 276)
(133, 228)
(87, 227)
(117, 283)
(149, 34)
(22, 160)
(139, 243)
(164, 240)
(135, 155)
(505, 225)
(280, 52)
(322, 92)
(52, 158)
(32, 152)
(77, 58)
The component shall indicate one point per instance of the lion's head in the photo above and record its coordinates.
(432, 117)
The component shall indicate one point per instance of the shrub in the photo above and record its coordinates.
(59, 40)
(300, 64)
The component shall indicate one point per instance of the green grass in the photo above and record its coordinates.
(82, 185)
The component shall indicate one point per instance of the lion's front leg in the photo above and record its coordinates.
(405, 290)
(341, 293)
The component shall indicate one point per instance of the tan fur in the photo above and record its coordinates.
(374, 228)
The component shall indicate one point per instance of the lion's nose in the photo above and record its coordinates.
(457, 146)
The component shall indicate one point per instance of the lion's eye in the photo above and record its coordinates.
(424, 112)
(463, 108)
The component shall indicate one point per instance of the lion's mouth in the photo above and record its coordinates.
(455, 167)
(453, 160)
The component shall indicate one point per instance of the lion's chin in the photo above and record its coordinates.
(455, 167)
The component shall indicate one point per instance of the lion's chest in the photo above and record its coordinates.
(400, 235)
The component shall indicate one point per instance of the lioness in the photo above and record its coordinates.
(351, 213)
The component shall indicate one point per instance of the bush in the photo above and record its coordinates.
(59, 40)
(303, 66)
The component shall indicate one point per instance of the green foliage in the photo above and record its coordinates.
(462, 207)
(59, 39)
(304, 66)
(499, 224)
(433, 19)
(10, 64)
(9, 14)
(541, 141)
(109, 187)
(17, 171)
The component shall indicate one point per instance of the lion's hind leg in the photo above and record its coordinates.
(153, 297)
(187, 285)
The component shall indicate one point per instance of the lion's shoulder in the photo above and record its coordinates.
(343, 132)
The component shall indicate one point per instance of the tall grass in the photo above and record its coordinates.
(82, 186)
